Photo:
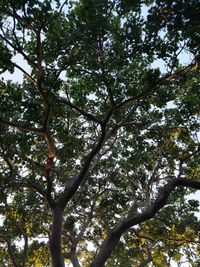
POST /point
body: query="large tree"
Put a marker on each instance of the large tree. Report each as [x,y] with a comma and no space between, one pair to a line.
[99,145]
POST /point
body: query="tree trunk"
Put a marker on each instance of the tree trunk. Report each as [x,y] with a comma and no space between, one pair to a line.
[56,238]
[74,258]
[107,247]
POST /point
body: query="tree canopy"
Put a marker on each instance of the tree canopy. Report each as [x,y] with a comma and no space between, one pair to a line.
[99,145]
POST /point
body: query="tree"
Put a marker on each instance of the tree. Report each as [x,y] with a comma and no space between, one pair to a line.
[99,145]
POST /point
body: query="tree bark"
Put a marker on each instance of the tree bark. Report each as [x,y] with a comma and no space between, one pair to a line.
[145,262]
[56,238]
[74,258]
[114,236]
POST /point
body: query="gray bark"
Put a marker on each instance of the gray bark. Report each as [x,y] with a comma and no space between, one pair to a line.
[56,238]
[112,239]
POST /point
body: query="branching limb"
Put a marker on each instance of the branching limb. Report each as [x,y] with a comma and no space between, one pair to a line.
[50,145]
[112,239]
[72,186]
[34,187]
[51,154]
[72,255]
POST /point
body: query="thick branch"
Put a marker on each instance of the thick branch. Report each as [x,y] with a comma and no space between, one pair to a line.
[50,145]
[49,181]
[73,258]
[72,186]
[112,239]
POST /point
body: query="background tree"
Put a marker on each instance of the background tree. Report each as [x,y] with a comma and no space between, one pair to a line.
[98,138]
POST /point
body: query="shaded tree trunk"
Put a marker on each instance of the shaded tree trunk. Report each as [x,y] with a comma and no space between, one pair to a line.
[74,258]
[56,238]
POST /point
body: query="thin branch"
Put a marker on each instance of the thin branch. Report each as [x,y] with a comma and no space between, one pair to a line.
[31,185]
[181,240]
[108,87]
[25,73]
[8,162]
[66,61]
[191,67]
[81,111]
[25,252]
[61,9]
[145,262]
[39,73]
[139,236]
[75,240]
[14,33]
[31,161]
[10,252]
[21,126]
[18,50]
[25,236]
[59,12]
[16,16]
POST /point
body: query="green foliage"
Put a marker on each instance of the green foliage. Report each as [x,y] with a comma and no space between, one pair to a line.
[5,61]
[98,117]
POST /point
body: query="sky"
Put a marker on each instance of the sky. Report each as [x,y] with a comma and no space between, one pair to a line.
[17,76]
